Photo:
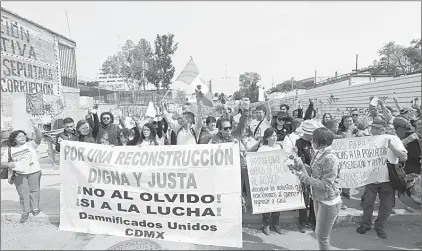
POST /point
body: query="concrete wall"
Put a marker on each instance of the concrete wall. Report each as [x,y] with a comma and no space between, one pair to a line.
[357,96]
[29,64]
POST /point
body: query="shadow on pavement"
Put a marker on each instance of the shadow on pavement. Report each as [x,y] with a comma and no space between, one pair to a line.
[252,242]
[49,204]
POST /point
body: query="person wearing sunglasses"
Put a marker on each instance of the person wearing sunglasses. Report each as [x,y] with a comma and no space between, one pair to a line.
[282,123]
[358,123]
[108,132]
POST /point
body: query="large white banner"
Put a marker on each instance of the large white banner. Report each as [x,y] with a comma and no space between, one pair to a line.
[173,193]
[362,160]
[273,186]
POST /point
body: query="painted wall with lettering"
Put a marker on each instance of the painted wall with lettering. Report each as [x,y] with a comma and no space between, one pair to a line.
[29,64]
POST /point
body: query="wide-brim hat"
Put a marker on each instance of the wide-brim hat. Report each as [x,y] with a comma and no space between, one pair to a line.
[308,127]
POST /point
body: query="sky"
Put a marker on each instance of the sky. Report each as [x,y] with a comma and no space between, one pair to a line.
[278,40]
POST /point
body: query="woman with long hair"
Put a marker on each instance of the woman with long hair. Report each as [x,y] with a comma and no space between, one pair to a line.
[323,176]
[269,143]
[325,118]
[347,129]
[23,162]
[148,135]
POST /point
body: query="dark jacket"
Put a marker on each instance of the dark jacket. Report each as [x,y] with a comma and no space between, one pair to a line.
[65,136]
[218,139]
[205,136]
[304,150]
[112,131]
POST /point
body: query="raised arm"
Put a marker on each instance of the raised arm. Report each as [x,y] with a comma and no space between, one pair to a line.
[38,134]
[174,125]
[160,127]
[267,104]
[237,132]
[396,102]
[96,126]
[198,122]
[308,113]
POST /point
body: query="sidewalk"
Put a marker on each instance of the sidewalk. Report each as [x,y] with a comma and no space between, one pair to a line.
[50,203]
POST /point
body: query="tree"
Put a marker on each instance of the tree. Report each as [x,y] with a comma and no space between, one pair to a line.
[130,63]
[165,47]
[153,74]
[249,85]
[180,97]
[413,53]
[399,60]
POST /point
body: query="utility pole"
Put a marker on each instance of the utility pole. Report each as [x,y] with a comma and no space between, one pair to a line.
[291,81]
[68,26]
[272,82]
[315,78]
[226,71]
[357,56]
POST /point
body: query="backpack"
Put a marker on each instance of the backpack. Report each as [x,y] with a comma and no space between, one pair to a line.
[397,176]
[5,171]
[191,130]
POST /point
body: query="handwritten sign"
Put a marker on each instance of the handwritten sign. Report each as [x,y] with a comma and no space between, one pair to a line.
[173,193]
[363,160]
[273,186]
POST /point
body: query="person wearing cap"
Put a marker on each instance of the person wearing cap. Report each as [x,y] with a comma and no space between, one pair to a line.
[395,152]
[402,123]
[262,119]
[305,152]
[282,124]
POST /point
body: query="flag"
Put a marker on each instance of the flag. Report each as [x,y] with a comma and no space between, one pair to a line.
[190,81]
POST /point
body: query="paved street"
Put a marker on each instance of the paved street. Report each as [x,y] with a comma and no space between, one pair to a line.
[41,232]
[36,235]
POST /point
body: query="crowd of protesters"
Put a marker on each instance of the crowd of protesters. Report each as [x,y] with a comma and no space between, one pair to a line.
[306,133]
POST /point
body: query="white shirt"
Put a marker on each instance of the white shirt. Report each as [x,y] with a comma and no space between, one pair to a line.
[290,141]
[267,148]
[186,137]
[391,157]
[25,158]
[262,127]
[395,141]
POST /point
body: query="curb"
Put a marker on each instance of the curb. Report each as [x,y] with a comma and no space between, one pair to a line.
[354,216]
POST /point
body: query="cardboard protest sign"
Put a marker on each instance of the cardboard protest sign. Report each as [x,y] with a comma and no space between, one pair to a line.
[363,160]
[151,112]
[173,193]
[261,96]
[273,186]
